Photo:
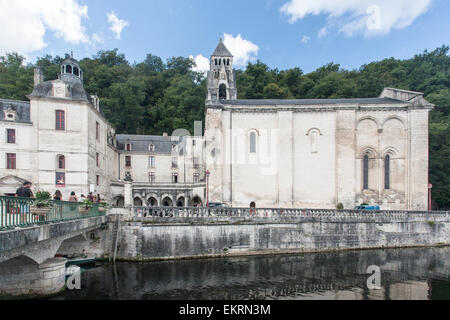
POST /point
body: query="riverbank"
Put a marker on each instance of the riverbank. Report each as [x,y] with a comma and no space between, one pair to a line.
[194,238]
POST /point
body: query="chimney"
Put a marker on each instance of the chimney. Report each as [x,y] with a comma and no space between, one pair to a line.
[38,75]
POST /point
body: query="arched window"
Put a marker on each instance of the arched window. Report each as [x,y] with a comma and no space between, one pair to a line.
[387,172]
[252,138]
[219,62]
[61,162]
[75,71]
[68,69]
[223,92]
[228,62]
[366,172]
[215,60]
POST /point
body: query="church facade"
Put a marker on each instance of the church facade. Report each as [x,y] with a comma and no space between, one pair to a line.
[315,153]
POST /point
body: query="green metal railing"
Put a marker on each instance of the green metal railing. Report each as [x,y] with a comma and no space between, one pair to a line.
[22,212]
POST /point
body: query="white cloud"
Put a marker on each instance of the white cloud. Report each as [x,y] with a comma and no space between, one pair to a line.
[116,24]
[25,23]
[305,39]
[370,17]
[202,63]
[97,38]
[322,32]
[242,50]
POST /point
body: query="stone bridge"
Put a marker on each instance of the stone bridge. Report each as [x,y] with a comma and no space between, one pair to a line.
[32,245]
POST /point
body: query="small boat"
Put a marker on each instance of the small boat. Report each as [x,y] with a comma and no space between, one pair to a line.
[80,261]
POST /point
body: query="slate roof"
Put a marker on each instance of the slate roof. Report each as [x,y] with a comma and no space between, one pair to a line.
[221,50]
[22,109]
[142,143]
[76,91]
[273,102]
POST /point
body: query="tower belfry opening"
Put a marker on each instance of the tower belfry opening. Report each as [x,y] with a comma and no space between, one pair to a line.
[221,79]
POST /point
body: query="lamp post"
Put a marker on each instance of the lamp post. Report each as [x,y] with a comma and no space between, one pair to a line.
[207,173]
[430,186]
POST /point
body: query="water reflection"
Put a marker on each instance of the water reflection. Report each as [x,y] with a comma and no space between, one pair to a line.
[419,273]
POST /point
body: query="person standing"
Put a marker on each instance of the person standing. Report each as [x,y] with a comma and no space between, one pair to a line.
[91,197]
[25,191]
[57,196]
[24,207]
[73,197]
[58,209]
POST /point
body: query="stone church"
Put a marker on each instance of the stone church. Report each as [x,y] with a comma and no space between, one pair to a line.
[311,153]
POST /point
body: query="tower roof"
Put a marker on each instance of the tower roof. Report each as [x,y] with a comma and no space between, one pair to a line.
[221,50]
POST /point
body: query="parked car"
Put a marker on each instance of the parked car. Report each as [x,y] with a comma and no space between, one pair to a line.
[367,207]
[217,204]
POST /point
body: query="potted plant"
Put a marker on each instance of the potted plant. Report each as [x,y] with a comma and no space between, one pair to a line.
[85,206]
[102,206]
[41,204]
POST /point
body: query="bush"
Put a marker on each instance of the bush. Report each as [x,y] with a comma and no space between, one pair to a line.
[42,199]
[86,203]
[340,206]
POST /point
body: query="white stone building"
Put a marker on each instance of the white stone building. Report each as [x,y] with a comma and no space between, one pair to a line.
[315,153]
[60,140]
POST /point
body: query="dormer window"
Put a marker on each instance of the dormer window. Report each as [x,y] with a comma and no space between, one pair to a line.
[151,147]
[128,147]
[10,115]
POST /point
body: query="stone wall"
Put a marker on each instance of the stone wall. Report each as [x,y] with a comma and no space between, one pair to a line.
[21,276]
[193,238]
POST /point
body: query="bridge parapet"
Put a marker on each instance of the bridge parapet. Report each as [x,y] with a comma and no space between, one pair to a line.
[26,212]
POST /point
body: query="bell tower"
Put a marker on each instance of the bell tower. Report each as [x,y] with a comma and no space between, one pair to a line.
[221,79]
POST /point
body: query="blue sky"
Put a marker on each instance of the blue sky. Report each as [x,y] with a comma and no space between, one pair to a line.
[281,33]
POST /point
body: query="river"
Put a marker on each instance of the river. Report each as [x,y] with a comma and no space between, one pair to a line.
[413,273]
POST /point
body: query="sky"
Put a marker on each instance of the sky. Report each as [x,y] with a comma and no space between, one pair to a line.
[281,33]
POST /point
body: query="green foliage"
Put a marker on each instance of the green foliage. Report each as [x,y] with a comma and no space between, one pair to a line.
[86,203]
[340,206]
[42,199]
[152,97]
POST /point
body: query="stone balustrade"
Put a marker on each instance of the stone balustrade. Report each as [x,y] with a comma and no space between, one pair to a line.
[178,214]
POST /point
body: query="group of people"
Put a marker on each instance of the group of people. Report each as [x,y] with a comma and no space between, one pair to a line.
[25,192]
[74,198]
